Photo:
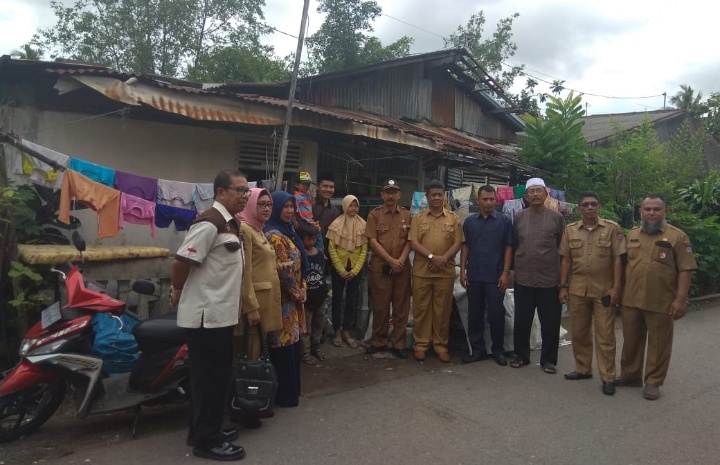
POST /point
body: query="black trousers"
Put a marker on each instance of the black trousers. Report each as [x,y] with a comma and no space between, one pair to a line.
[287,366]
[481,297]
[210,351]
[545,299]
[344,320]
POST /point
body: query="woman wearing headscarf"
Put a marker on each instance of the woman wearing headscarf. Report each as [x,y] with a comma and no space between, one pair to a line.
[347,246]
[260,286]
[292,267]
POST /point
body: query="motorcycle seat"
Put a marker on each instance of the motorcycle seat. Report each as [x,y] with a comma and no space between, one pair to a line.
[161,333]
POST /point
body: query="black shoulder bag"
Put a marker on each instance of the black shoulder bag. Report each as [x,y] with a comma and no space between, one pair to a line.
[254,381]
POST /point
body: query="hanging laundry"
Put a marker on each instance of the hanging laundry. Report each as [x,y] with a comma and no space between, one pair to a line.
[552,204]
[102,199]
[511,207]
[166,214]
[419,203]
[567,209]
[36,171]
[98,173]
[202,198]
[519,191]
[136,211]
[558,194]
[138,186]
[504,194]
[175,193]
[461,201]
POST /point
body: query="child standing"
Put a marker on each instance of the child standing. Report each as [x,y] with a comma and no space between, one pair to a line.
[317,290]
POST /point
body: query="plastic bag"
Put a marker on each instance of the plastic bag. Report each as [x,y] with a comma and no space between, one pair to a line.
[115,343]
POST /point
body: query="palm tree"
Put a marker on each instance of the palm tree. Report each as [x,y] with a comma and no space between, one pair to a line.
[687,100]
[26,52]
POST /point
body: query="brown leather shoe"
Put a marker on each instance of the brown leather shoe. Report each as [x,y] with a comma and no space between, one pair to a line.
[651,392]
[444,357]
[419,355]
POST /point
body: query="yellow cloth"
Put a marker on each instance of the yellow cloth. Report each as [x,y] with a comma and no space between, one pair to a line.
[340,256]
[33,254]
[348,232]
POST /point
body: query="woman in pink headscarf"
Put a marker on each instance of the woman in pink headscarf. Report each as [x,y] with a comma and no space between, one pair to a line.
[260,286]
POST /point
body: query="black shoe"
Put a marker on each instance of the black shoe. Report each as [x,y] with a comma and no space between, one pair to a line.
[470,358]
[229,435]
[500,359]
[575,376]
[371,349]
[608,388]
[400,353]
[622,382]
[225,452]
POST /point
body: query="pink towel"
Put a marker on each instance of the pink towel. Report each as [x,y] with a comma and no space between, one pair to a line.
[505,193]
[136,211]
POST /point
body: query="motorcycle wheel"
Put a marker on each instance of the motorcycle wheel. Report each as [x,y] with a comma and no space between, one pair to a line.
[25,411]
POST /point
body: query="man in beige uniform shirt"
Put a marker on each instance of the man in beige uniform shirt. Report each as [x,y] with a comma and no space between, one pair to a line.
[657,282]
[592,250]
[436,237]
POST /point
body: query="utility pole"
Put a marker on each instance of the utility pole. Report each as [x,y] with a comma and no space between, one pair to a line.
[586,105]
[664,97]
[293,83]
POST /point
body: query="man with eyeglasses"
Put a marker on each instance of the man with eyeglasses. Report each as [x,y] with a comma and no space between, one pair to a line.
[590,281]
[660,261]
[206,278]
[538,231]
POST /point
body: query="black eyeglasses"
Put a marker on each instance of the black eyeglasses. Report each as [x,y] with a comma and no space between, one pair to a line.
[589,204]
[264,205]
[239,190]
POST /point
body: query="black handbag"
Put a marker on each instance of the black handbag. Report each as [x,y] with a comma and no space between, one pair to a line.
[254,382]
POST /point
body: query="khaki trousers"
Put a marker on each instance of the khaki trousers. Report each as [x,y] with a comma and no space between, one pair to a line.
[641,327]
[432,305]
[384,291]
[586,314]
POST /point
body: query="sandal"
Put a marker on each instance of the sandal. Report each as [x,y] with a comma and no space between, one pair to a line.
[337,341]
[549,369]
[308,359]
[519,363]
[350,341]
[319,354]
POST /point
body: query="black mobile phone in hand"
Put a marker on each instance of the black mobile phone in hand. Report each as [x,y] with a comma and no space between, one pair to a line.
[386,269]
[605,300]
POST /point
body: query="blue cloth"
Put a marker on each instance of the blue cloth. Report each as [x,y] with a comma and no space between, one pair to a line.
[166,214]
[558,194]
[95,172]
[279,199]
[487,238]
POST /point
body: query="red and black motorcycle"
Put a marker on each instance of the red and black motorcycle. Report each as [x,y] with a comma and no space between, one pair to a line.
[58,350]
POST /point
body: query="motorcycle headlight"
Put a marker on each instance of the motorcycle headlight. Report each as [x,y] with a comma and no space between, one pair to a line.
[25,346]
[49,348]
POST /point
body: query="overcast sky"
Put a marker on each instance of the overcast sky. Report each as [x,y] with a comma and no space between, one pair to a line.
[613,48]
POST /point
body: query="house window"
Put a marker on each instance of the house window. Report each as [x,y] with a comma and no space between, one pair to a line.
[258,157]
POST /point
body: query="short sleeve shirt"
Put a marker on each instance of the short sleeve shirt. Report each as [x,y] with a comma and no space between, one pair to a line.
[211,294]
[486,239]
[593,252]
[654,261]
[437,234]
[538,234]
[391,229]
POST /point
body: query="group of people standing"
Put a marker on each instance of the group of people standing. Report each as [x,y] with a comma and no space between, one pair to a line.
[258,257]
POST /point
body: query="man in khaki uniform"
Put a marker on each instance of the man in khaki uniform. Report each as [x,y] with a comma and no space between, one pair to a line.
[436,237]
[387,230]
[592,250]
[657,282]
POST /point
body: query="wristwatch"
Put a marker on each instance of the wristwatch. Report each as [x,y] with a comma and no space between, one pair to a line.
[564,286]
[430,257]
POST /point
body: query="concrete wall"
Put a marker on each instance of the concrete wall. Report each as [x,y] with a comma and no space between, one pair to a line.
[161,150]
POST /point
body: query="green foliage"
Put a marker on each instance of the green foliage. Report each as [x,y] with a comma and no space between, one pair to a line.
[27,52]
[556,144]
[238,64]
[712,118]
[150,36]
[704,234]
[342,41]
[684,158]
[27,282]
[17,213]
[703,195]
[490,52]
[686,99]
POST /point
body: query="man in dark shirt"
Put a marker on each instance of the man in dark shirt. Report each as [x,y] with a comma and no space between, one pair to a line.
[323,211]
[485,260]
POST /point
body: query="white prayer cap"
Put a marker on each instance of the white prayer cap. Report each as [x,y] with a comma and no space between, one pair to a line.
[534,182]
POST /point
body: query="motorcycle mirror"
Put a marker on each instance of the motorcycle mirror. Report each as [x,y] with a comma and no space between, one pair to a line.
[78,241]
[144,287]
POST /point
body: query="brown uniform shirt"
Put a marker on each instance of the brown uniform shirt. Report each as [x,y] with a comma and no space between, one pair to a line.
[537,262]
[593,254]
[437,234]
[654,261]
[390,228]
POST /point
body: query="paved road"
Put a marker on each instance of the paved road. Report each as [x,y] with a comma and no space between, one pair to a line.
[366,411]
